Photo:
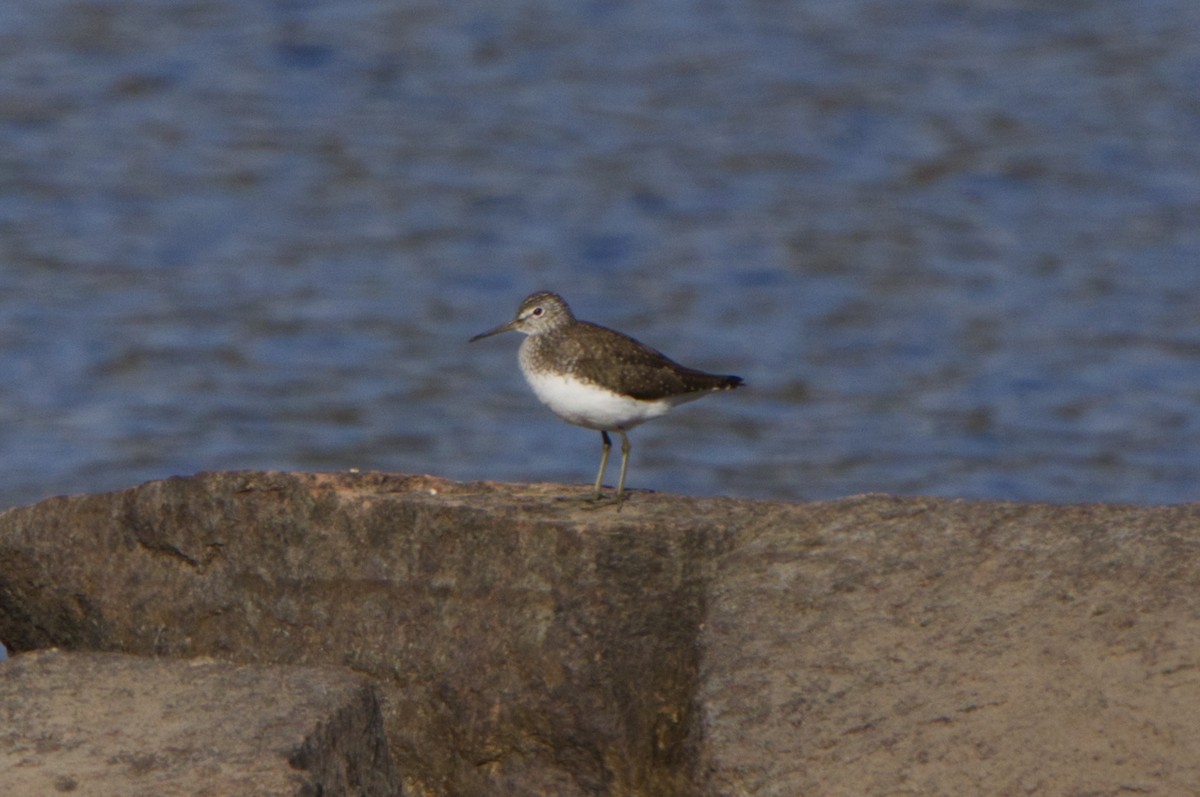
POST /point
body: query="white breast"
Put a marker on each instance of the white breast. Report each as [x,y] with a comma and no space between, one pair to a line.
[585,404]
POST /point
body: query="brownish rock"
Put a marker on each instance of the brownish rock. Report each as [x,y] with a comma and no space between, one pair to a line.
[523,644]
[527,645]
[102,724]
[878,646]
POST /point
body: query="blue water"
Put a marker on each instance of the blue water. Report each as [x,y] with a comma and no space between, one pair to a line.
[952,247]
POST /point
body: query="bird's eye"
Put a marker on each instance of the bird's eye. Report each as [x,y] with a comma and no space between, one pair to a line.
[538,311]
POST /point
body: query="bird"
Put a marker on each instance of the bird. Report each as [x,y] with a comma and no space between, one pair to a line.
[598,378]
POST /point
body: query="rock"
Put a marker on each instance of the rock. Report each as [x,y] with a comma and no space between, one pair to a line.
[881,646]
[525,644]
[108,724]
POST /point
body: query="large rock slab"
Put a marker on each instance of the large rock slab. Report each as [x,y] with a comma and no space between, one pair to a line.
[525,644]
[878,646]
[101,724]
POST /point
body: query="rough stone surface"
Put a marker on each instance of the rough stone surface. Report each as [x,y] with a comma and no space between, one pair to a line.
[883,647]
[101,724]
[524,644]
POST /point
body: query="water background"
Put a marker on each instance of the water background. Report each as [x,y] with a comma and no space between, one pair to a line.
[953,247]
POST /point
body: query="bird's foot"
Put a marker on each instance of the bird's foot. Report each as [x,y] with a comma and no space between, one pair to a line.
[596,501]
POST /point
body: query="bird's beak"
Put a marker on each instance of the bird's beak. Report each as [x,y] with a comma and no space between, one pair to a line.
[502,328]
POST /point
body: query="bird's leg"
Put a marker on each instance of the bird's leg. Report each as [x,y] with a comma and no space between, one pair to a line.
[624,464]
[603,463]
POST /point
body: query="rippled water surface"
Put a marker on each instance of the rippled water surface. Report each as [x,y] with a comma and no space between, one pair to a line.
[953,247]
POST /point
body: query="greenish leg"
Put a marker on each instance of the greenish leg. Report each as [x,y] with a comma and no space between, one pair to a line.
[604,463]
[624,464]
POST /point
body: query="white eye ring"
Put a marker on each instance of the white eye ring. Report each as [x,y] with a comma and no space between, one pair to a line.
[538,311]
